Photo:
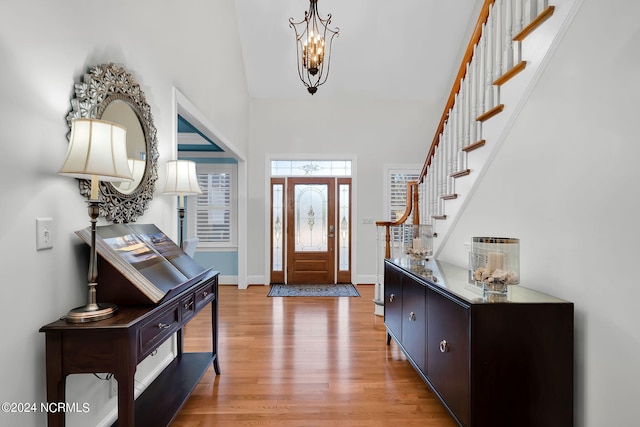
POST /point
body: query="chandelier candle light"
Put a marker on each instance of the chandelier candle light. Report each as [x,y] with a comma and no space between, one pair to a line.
[97,151]
[313,35]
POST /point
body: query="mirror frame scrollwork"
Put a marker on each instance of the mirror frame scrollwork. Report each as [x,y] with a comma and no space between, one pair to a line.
[100,86]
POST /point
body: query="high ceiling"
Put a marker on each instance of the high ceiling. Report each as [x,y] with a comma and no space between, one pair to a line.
[386,49]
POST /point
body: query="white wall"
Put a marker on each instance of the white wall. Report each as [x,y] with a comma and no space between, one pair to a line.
[45,47]
[374,133]
[565,182]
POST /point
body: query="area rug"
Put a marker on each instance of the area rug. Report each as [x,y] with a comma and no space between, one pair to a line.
[339,290]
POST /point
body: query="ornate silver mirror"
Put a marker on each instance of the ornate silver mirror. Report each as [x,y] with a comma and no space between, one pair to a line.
[110,93]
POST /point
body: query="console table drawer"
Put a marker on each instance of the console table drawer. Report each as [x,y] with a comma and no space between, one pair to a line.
[187,307]
[153,333]
[204,294]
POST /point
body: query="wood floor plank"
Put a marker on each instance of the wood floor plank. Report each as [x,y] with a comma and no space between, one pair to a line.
[304,362]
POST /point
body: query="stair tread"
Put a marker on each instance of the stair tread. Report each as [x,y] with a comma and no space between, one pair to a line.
[474,146]
[461,173]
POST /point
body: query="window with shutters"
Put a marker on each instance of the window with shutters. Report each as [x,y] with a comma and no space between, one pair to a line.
[213,213]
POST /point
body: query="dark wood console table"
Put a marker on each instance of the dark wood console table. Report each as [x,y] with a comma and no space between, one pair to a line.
[118,344]
[492,361]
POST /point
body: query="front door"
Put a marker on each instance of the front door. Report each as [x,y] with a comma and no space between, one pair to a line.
[311,230]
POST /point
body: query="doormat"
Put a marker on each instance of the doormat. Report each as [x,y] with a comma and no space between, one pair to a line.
[339,290]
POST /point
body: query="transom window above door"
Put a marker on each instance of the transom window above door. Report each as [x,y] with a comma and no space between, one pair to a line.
[310,167]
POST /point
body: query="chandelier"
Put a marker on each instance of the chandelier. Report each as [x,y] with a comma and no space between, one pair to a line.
[313,35]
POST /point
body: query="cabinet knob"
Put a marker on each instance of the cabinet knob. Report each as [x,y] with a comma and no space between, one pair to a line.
[204,294]
[412,316]
[444,346]
[392,297]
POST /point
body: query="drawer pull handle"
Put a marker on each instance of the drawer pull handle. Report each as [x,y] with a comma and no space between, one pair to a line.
[444,346]
[204,294]
[188,306]
[412,316]
[163,326]
[392,297]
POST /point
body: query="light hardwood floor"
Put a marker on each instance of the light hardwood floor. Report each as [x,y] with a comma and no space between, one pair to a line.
[304,362]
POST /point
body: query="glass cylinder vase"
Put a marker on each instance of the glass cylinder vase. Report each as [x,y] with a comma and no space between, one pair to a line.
[418,241]
[495,263]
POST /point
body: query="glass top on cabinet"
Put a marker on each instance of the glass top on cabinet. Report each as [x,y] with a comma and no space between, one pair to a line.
[455,280]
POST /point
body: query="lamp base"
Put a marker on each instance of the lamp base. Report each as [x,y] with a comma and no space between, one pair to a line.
[90,313]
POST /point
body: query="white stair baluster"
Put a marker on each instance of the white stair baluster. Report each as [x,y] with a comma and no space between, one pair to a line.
[462,119]
[424,218]
[442,182]
[489,101]
[542,5]
[482,70]
[530,11]
[430,211]
[475,130]
[445,159]
[434,179]
[498,11]
[517,16]
[461,130]
[467,107]
[458,130]
[438,162]
[507,57]
[444,141]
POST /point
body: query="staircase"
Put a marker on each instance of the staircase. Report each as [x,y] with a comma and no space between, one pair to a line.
[507,53]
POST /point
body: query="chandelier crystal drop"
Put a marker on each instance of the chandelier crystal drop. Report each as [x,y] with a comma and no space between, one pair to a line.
[313,35]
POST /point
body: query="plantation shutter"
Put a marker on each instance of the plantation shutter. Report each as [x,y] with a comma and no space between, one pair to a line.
[214,208]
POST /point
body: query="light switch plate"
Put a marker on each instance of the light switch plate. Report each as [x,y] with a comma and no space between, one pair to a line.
[44,233]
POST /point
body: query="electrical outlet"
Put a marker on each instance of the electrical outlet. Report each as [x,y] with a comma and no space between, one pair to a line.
[44,233]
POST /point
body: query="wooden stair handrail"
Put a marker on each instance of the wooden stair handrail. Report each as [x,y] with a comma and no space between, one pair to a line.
[466,59]
[412,195]
[412,187]
[468,56]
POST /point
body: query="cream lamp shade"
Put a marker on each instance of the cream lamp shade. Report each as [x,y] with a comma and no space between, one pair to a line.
[97,151]
[182,179]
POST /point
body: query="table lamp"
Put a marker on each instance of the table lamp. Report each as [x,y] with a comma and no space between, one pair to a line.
[182,180]
[97,151]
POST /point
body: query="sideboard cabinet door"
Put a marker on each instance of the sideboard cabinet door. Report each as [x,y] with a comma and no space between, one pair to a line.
[393,300]
[448,352]
[414,320]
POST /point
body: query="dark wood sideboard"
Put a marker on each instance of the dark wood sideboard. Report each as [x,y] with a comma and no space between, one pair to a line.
[498,361]
[118,344]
